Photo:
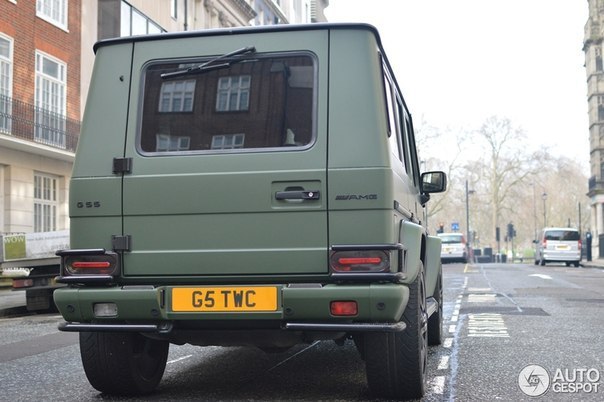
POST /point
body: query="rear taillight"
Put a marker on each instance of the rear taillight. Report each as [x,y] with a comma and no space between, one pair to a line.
[580,244]
[343,308]
[360,261]
[91,264]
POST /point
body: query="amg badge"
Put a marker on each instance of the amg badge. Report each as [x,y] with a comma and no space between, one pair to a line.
[350,197]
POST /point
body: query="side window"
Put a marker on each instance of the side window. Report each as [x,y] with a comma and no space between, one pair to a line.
[412,150]
[404,136]
[266,102]
[394,128]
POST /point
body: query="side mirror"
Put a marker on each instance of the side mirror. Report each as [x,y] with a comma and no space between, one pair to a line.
[433,182]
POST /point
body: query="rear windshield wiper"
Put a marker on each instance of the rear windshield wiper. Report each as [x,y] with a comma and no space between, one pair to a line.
[210,65]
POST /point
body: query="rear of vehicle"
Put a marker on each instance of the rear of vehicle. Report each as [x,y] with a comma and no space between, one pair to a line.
[219,198]
[559,245]
[454,247]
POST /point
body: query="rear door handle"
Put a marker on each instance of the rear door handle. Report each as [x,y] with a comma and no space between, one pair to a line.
[297,195]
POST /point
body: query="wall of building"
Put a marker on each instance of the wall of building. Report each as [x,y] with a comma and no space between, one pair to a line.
[22,156]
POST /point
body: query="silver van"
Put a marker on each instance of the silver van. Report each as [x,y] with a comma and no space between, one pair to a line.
[558,245]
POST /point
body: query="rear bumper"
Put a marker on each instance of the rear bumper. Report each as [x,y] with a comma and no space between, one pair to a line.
[453,256]
[299,307]
[561,256]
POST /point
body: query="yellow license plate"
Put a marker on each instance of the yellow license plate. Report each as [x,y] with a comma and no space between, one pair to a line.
[562,247]
[225,299]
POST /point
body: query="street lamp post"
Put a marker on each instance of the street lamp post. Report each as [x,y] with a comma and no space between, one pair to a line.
[544,196]
[468,192]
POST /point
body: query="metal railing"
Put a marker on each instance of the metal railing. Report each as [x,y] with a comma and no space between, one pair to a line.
[28,122]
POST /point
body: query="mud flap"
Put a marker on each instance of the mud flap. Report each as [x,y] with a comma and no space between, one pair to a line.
[432,263]
[411,238]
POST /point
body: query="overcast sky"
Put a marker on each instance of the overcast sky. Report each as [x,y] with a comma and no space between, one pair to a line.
[459,62]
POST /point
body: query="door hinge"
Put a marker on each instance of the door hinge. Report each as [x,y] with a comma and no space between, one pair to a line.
[120,242]
[122,165]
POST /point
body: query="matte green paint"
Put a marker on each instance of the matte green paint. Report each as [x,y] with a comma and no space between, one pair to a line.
[214,218]
[376,302]
[432,263]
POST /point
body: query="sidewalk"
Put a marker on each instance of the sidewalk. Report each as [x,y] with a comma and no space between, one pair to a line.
[597,263]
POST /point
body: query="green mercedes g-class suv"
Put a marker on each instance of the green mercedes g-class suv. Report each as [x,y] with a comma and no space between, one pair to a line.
[250,186]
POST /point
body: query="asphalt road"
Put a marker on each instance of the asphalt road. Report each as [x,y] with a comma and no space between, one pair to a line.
[510,331]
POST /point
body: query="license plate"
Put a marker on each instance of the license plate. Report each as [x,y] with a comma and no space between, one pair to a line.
[562,247]
[225,299]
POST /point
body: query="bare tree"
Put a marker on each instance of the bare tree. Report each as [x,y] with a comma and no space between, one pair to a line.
[509,164]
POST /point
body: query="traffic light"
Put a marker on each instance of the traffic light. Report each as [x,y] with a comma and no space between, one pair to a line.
[497,235]
[511,231]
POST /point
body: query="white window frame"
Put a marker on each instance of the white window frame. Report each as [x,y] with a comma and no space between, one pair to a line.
[50,102]
[232,95]
[127,15]
[228,141]
[170,143]
[175,95]
[6,86]
[174,9]
[53,11]
[46,202]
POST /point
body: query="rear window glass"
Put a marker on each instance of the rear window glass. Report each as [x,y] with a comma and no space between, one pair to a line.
[266,101]
[447,239]
[562,235]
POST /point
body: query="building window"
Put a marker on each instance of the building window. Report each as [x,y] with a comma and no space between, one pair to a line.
[6,71]
[53,11]
[168,143]
[50,100]
[133,22]
[233,93]
[230,141]
[177,96]
[45,203]
[174,8]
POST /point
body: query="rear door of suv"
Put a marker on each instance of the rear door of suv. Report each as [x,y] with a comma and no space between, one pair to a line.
[226,147]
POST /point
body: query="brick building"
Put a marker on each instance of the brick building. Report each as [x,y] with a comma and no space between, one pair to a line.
[39,111]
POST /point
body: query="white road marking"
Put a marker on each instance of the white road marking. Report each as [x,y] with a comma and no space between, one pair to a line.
[438,385]
[179,359]
[443,364]
[542,276]
[487,326]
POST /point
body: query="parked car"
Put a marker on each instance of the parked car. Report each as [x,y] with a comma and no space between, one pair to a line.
[454,247]
[251,186]
[558,245]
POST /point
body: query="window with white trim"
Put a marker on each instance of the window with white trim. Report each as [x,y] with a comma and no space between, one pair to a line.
[50,100]
[53,11]
[177,96]
[233,93]
[174,9]
[229,141]
[45,203]
[134,22]
[6,80]
[170,143]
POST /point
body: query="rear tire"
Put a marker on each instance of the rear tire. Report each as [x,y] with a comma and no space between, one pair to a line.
[396,361]
[123,363]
